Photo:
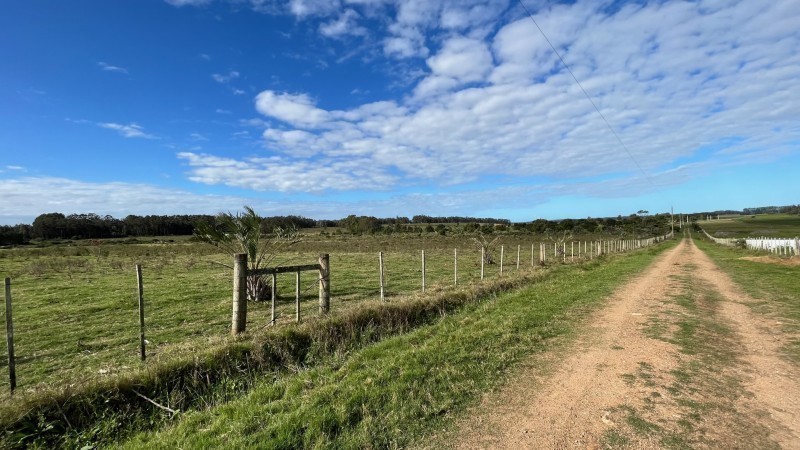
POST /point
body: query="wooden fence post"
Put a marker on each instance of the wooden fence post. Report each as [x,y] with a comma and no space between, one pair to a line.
[140,290]
[502,248]
[483,257]
[274,294]
[297,296]
[455,267]
[12,368]
[518,250]
[324,283]
[423,271]
[533,263]
[380,268]
[239,293]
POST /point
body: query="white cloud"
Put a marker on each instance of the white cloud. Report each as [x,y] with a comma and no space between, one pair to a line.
[223,111]
[27,197]
[296,109]
[681,80]
[180,3]
[405,42]
[225,78]
[284,174]
[465,60]
[675,79]
[16,168]
[131,130]
[109,68]
[304,8]
[345,25]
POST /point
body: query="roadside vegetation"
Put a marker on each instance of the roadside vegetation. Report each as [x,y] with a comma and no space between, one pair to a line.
[76,307]
[772,280]
[211,374]
[764,225]
[403,388]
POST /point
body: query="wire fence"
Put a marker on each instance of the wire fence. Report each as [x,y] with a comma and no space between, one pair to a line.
[77,314]
[777,246]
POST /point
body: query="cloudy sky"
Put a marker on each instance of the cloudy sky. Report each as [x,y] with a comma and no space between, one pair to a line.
[326,108]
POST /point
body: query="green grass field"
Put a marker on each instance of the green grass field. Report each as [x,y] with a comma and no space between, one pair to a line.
[399,390]
[763,225]
[76,310]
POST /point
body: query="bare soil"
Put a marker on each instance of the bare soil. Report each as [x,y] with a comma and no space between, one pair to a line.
[593,393]
[793,261]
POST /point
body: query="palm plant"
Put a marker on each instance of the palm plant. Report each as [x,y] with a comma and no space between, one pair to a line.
[242,233]
[487,246]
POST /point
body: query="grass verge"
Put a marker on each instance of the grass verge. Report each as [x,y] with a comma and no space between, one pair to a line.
[775,285]
[72,416]
[403,388]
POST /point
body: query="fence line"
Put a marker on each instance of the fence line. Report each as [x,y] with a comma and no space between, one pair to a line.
[591,249]
[12,368]
[778,246]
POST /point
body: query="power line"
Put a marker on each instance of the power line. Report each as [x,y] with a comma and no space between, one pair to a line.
[647,177]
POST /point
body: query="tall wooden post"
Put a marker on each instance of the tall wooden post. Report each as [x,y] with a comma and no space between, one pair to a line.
[12,368]
[483,258]
[239,293]
[501,259]
[533,263]
[297,296]
[324,283]
[518,250]
[140,290]
[423,271]
[380,274]
[274,295]
[455,267]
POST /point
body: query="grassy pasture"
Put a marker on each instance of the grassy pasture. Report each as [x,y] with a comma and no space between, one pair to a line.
[762,225]
[406,388]
[75,307]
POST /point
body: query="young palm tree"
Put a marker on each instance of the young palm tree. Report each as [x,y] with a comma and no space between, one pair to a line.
[241,233]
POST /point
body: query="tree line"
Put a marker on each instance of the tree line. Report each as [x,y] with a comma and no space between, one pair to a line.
[51,226]
[93,226]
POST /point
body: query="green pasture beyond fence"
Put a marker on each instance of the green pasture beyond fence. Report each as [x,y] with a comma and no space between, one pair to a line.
[78,315]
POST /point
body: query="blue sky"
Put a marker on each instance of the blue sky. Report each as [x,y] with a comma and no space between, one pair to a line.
[325,108]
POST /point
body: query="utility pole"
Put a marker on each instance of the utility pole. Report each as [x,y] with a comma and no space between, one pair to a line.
[671,220]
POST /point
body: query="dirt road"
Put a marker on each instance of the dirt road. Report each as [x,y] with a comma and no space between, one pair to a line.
[676,359]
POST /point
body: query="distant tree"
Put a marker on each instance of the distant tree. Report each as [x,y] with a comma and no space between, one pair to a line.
[49,226]
[360,224]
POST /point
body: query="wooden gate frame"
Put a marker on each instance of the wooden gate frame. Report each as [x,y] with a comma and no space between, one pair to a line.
[240,274]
